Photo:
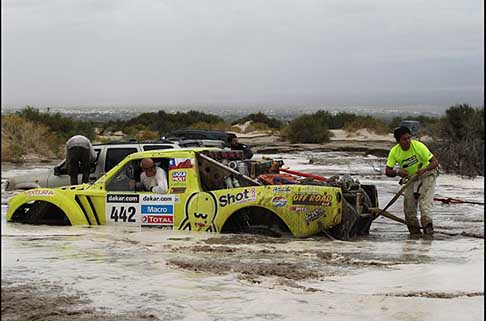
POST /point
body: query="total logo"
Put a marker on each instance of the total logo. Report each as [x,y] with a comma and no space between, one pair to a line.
[244,196]
[158,219]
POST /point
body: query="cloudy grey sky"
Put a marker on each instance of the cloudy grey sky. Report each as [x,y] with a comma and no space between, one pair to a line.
[224,52]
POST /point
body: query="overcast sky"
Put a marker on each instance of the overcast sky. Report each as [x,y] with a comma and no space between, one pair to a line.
[223,52]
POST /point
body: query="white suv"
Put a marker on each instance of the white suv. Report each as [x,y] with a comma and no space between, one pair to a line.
[107,156]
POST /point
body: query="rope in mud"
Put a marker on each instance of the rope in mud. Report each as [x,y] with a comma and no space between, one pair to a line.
[397,195]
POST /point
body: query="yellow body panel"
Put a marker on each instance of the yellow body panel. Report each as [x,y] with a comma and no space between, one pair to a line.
[303,208]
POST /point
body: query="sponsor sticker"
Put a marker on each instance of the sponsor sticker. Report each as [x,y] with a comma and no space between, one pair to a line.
[123,209]
[157,198]
[314,214]
[122,198]
[298,209]
[175,163]
[247,195]
[312,199]
[158,219]
[179,176]
[285,189]
[39,192]
[177,190]
[157,210]
[279,201]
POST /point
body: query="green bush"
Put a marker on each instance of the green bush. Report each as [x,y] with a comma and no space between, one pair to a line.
[64,127]
[166,122]
[459,141]
[260,118]
[376,126]
[307,129]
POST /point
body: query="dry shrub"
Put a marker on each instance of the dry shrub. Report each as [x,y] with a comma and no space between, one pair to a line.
[258,127]
[375,126]
[212,126]
[147,135]
[21,137]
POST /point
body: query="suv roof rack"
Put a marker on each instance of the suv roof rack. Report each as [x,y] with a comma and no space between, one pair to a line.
[134,141]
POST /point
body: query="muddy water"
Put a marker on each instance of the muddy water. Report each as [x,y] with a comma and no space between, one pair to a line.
[111,273]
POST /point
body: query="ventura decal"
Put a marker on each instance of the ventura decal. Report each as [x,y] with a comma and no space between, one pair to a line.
[39,192]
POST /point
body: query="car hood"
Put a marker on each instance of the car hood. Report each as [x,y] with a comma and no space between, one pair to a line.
[35,178]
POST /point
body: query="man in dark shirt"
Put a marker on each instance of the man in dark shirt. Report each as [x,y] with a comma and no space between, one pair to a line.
[236,145]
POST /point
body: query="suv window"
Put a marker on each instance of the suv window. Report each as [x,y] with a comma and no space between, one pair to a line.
[152,147]
[115,155]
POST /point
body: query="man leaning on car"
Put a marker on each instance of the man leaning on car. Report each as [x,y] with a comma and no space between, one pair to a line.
[80,154]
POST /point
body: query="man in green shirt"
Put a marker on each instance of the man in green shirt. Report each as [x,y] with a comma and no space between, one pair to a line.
[413,157]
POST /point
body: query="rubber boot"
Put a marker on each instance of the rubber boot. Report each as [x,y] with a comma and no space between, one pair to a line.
[429,229]
[414,230]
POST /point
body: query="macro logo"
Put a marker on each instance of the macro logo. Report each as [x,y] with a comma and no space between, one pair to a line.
[157,209]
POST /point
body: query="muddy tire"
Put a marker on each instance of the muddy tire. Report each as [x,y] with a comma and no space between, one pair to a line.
[347,228]
[371,200]
[261,230]
[372,193]
[38,212]
[46,213]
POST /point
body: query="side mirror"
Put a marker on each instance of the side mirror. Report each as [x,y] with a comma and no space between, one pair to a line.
[57,171]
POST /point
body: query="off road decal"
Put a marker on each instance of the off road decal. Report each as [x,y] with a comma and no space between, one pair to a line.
[312,199]
[123,209]
[199,213]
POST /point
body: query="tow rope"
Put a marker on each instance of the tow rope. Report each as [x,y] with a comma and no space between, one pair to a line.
[450,200]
